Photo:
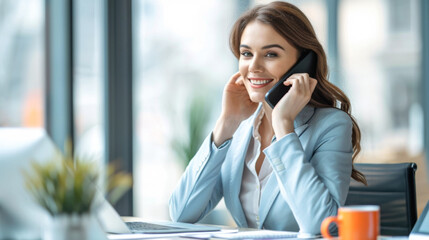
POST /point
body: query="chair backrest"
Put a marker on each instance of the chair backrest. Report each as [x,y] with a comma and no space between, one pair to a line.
[393,188]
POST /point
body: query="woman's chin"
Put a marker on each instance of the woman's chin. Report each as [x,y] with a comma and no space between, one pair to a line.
[257,98]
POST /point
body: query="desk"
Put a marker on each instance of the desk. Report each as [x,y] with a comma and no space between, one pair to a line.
[196,236]
[225,233]
[210,237]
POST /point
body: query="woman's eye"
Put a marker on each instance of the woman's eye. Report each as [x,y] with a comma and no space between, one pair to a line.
[271,54]
[246,54]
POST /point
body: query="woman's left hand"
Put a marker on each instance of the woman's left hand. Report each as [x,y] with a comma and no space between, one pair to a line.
[286,110]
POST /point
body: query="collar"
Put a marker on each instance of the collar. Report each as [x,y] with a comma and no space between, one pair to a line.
[257,122]
[304,116]
[301,119]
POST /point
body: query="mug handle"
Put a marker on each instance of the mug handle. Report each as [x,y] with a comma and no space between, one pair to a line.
[324,228]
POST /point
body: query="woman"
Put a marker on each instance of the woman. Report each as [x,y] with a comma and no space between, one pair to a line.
[286,168]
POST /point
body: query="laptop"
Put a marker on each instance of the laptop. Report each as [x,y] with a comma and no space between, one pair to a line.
[111,222]
[22,218]
[421,228]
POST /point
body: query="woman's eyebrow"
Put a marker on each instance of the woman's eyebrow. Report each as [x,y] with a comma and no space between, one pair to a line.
[264,47]
[273,46]
[245,46]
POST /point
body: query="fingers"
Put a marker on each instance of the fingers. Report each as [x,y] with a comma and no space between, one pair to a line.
[313,84]
[240,80]
[302,83]
[236,78]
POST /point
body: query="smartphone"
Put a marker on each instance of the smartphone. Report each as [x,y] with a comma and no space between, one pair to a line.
[305,64]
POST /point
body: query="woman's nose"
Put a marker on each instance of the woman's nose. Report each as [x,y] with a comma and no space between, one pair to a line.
[255,65]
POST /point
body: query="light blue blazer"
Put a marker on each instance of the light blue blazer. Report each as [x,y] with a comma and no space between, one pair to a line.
[310,178]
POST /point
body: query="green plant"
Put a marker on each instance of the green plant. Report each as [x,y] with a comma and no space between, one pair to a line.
[64,185]
[196,119]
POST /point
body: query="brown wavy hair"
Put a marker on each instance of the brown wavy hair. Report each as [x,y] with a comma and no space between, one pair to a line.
[294,26]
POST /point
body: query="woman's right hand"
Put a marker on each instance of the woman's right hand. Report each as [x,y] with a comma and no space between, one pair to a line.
[236,107]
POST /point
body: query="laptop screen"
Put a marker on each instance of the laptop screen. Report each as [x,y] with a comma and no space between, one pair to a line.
[20,216]
[421,228]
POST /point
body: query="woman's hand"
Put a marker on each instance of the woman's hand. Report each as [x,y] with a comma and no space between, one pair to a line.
[236,107]
[236,103]
[286,110]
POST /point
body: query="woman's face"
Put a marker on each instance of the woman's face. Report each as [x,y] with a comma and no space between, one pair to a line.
[264,57]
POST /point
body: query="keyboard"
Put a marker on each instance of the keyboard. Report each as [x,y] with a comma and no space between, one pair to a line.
[144,226]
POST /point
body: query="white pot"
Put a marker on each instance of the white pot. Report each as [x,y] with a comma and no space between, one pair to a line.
[73,227]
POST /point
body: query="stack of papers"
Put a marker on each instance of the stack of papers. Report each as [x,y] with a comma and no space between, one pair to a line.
[259,234]
[200,235]
[223,234]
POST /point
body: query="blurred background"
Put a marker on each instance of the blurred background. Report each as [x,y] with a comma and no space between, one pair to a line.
[164,63]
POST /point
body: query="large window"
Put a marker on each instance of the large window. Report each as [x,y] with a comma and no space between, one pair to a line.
[22,63]
[380,52]
[380,60]
[88,76]
[182,57]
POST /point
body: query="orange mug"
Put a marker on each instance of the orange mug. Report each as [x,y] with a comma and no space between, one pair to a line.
[354,223]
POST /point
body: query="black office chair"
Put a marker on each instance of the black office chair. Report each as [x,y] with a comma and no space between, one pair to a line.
[393,188]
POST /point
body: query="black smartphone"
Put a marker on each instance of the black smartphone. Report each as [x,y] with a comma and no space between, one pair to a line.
[305,64]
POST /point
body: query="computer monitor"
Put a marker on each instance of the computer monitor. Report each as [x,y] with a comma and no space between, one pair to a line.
[20,216]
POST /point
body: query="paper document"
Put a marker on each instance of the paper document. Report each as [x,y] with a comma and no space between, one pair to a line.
[199,235]
[223,234]
[129,236]
[394,238]
[258,234]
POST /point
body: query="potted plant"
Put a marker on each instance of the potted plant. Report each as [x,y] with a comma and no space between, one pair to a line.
[197,116]
[66,188]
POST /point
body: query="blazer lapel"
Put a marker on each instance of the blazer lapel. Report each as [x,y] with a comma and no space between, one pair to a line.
[235,186]
[232,194]
[299,130]
[302,119]
[269,194]
[271,189]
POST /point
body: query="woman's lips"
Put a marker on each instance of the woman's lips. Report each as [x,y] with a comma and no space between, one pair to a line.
[259,82]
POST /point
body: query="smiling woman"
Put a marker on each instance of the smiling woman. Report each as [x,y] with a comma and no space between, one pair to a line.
[264,57]
[282,168]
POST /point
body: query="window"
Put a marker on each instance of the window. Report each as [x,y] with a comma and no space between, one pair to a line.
[22,63]
[88,77]
[380,57]
[181,54]
[382,72]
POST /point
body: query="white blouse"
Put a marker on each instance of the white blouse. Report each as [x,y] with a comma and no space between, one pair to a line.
[253,184]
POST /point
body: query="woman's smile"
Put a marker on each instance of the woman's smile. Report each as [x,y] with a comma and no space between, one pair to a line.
[259,82]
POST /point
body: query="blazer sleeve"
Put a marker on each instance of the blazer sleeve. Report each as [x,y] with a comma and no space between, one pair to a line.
[315,183]
[200,187]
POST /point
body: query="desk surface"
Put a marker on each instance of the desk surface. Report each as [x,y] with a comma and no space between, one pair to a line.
[231,229]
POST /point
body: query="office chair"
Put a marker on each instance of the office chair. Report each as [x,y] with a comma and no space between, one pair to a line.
[393,188]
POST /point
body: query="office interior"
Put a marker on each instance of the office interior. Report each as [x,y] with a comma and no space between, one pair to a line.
[130,80]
